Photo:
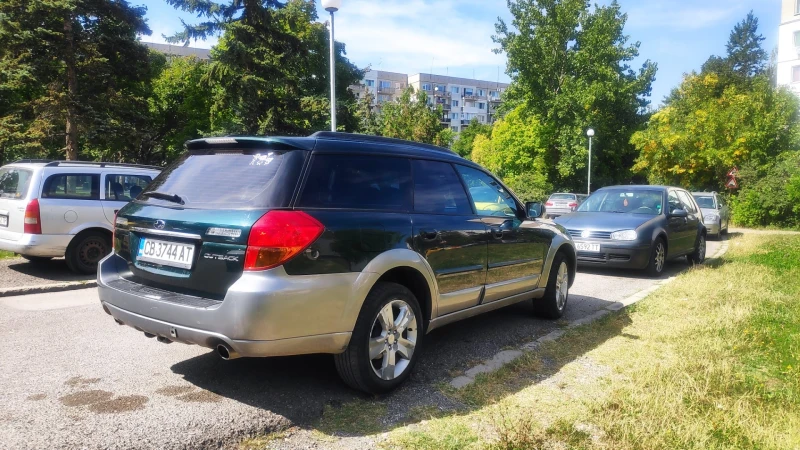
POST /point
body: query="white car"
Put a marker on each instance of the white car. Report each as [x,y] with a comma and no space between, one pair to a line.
[51,209]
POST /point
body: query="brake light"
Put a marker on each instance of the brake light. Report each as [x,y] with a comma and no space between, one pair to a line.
[548,204]
[33,220]
[573,205]
[278,236]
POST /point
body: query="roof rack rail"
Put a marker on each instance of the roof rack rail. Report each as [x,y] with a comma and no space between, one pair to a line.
[32,161]
[100,164]
[378,139]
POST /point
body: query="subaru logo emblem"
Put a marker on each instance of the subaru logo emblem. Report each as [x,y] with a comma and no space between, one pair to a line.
[159,224]
[586,234]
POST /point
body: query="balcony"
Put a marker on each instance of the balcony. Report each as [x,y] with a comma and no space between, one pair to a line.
[386,89]
[441,94]
[446,120]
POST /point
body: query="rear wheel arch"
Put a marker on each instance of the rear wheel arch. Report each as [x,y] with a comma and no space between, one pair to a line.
[414,281]
[72,256]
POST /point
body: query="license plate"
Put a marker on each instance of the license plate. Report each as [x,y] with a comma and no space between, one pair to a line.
[172,254]
[3,221]
[587,247]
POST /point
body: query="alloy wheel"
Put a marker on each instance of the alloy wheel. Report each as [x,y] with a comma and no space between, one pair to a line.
[562,286]
[393,339]
[660,257]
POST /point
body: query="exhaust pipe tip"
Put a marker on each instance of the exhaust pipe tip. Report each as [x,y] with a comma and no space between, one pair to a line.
[163,340]
[149,335]
[226,353]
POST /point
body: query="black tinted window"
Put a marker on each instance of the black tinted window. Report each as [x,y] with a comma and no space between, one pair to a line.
[14,182]
[437,189]
[72,186]
[358,182]
[231,179]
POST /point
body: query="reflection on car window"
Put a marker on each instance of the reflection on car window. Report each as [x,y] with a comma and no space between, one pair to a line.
[488,196]
[687,202]
[674,203]
[705,201]
[124,188]
[632,201]
[14,182]
[562,197]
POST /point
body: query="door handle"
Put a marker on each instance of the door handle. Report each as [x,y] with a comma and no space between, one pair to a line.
[429,235]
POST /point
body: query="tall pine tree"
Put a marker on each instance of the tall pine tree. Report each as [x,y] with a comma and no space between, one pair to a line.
[71,72]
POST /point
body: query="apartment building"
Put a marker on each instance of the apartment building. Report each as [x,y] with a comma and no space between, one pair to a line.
[462,99]
[179,50]
[789,46]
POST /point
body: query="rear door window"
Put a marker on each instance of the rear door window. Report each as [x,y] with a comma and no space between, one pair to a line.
[72,186]
[230,179]
[437,189]
[358,182]
[14,182]
[125,187]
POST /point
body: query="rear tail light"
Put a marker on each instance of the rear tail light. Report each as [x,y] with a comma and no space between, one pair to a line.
[548,204]
[278,236]
[33,220]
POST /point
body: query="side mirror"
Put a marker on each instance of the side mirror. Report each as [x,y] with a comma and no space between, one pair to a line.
[534,209]
[679,213]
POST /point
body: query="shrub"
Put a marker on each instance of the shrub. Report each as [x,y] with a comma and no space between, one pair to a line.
[769,194]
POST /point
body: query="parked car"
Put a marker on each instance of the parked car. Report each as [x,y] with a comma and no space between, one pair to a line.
[334,243]
[51,209]
[638,227]
[716,214]
[562,203]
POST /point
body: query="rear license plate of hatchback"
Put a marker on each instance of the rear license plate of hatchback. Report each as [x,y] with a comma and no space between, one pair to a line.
[583,247]
[174,254]
[3,220]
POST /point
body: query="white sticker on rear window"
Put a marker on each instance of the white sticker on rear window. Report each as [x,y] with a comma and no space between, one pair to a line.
[261,160]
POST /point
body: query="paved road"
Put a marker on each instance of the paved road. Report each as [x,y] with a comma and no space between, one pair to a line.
[71,378]
[17,272]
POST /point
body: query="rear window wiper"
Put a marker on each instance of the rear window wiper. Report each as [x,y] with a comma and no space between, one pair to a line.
[174,198]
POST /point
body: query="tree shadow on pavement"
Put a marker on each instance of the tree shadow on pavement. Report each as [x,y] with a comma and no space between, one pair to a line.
[302,388]
[53,270]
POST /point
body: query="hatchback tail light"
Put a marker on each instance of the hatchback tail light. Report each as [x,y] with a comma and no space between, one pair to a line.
[548,204]
[33,220]
[573,205]
[278,236]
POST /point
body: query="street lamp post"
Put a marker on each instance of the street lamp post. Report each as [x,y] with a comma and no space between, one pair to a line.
[332,6]
[590,133]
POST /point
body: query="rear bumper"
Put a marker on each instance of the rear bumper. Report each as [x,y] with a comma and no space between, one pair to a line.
[555,212]
[47,245]
[632,255]
[265,313]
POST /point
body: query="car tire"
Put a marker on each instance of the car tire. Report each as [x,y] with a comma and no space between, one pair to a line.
[86,250]
[725,231]
[699,253]
[366,363]
[554,302]
[658,258]
[37,259]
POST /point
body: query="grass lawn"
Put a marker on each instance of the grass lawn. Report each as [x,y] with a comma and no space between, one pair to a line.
[710,361]
[5,255]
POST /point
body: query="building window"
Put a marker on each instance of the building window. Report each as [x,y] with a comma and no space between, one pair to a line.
[454,129]
[797,7]
[454,116]
[468,91]
[493,94]
[797,38]
[383,98]
[796,74]
[481,105]
[455,103]
[481,92]
[426,87]
[369,83]
[384,84]
[441,88]
[456,89]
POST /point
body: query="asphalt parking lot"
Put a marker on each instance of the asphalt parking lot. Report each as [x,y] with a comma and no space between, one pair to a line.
[71,378]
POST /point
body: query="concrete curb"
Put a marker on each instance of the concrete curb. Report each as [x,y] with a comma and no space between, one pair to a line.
[506,356]
[45,288]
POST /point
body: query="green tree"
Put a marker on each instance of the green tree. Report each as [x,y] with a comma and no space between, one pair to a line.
[463,144]
[745,54]
[71,74]
[570,68]
[269,72]
[412,119]
[698,136]
[366,114]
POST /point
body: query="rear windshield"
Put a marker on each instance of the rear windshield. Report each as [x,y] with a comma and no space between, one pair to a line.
[230,179]
[562,197]
[14,182]
[705,201]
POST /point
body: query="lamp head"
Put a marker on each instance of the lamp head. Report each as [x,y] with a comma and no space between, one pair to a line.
[590,132]
[331,5]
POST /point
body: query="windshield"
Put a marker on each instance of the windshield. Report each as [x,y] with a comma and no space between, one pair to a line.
[14,182]
[632,201]
[562,197]
[705,202]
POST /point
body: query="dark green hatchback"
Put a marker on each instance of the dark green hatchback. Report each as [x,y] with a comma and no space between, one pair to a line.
[336,243]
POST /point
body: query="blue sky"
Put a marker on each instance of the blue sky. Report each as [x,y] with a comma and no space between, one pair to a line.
[454,36]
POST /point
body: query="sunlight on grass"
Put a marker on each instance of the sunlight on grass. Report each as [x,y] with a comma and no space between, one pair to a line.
[6,255]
